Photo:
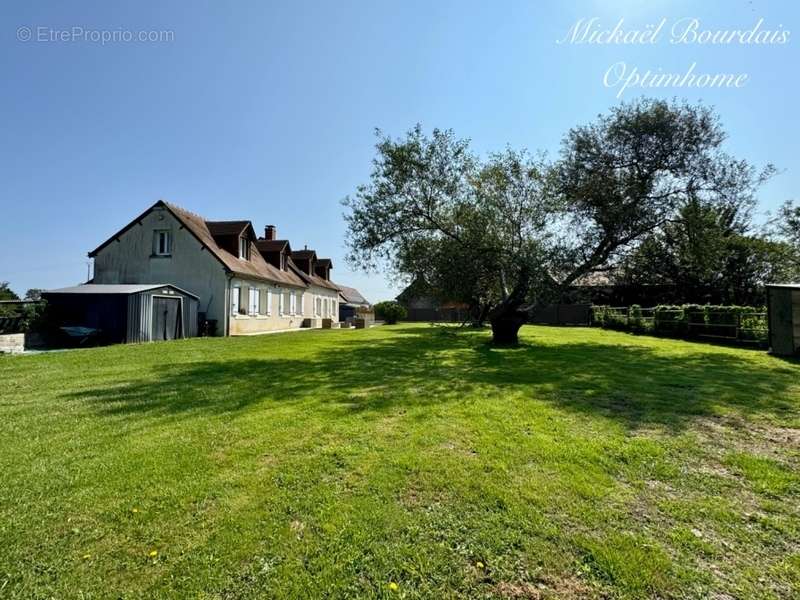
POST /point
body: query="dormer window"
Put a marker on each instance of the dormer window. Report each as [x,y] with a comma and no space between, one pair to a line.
[244,248]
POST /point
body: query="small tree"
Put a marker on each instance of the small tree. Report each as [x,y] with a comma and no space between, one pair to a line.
[390,311]
[34,294]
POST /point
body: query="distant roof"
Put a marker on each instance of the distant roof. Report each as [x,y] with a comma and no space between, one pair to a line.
[124,288]
[352,295]
[325,261]
[791,286]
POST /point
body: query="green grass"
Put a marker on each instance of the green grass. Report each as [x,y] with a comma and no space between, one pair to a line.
[585,463]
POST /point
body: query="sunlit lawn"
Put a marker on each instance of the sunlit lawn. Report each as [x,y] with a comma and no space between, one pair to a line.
[405,461]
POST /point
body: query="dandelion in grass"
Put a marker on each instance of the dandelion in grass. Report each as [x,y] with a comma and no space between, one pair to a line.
[479,565]
[87,556]
[393,586]
[153,553]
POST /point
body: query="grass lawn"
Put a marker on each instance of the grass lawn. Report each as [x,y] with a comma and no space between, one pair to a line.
[399,462]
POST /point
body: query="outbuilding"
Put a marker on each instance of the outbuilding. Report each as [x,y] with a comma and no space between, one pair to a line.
[124,313]
[783,304]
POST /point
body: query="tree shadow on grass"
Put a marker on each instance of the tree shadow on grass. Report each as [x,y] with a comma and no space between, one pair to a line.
[417,367]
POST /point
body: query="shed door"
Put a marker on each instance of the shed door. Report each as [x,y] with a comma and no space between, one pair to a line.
[166,318]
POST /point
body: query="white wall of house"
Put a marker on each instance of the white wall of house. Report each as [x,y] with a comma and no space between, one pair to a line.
[324,303]
[134,259]
[259,306]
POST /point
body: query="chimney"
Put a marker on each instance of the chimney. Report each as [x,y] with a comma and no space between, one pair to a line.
[270,233]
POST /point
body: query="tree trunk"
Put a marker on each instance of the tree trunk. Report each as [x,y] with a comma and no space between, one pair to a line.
[505,328]
[507,317]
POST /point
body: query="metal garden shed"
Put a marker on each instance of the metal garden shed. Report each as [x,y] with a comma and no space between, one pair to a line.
[783,302]
[125,313]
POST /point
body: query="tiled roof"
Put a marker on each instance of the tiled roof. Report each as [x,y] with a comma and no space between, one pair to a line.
[227,227]
[272,245]
[255,267]
[312,279]
[352,295]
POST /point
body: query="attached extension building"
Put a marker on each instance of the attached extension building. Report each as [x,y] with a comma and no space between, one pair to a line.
[244,283]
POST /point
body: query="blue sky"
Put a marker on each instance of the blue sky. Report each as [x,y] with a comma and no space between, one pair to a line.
[267,111]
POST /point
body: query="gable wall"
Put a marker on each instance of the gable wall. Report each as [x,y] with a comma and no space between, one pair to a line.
[131,260]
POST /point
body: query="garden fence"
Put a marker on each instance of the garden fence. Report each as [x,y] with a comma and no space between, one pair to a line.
[745,325]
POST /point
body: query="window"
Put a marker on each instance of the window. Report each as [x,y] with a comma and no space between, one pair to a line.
[162,242]
[280,303]
[244,248]
[317,306]
[300,311]
[255,297]
[269,301]
[287,302]
[236,296]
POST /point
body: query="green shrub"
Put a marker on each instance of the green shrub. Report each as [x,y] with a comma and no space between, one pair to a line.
[390,312]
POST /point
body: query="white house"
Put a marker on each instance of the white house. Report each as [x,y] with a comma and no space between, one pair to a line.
[244,283]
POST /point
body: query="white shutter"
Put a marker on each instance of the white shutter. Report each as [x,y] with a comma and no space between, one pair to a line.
[235,294]
[269,301]
[254,301]
[280,303]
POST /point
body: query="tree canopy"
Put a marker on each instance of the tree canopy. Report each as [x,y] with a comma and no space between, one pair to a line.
[513,230]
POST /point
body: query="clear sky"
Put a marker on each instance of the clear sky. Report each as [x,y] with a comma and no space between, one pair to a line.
[266,111]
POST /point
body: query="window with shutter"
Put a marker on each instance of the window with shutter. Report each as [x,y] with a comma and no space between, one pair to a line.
[254,301]
[235,298]
[269,301]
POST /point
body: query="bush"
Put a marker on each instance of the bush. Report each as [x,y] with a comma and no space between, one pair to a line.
[390,312]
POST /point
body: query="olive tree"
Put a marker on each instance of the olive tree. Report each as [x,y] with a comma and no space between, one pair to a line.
[523,229]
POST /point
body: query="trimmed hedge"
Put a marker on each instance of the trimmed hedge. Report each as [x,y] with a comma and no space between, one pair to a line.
[731,323]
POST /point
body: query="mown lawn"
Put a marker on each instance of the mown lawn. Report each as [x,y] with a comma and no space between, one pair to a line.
[405,461]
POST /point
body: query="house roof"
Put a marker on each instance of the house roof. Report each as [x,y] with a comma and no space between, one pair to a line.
[312,279]
[229,227]
[272,245]
[352,295]
[127,289]
[325,262]
[256,267]
[304,254]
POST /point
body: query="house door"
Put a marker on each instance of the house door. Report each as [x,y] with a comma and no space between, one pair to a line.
[166,318]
